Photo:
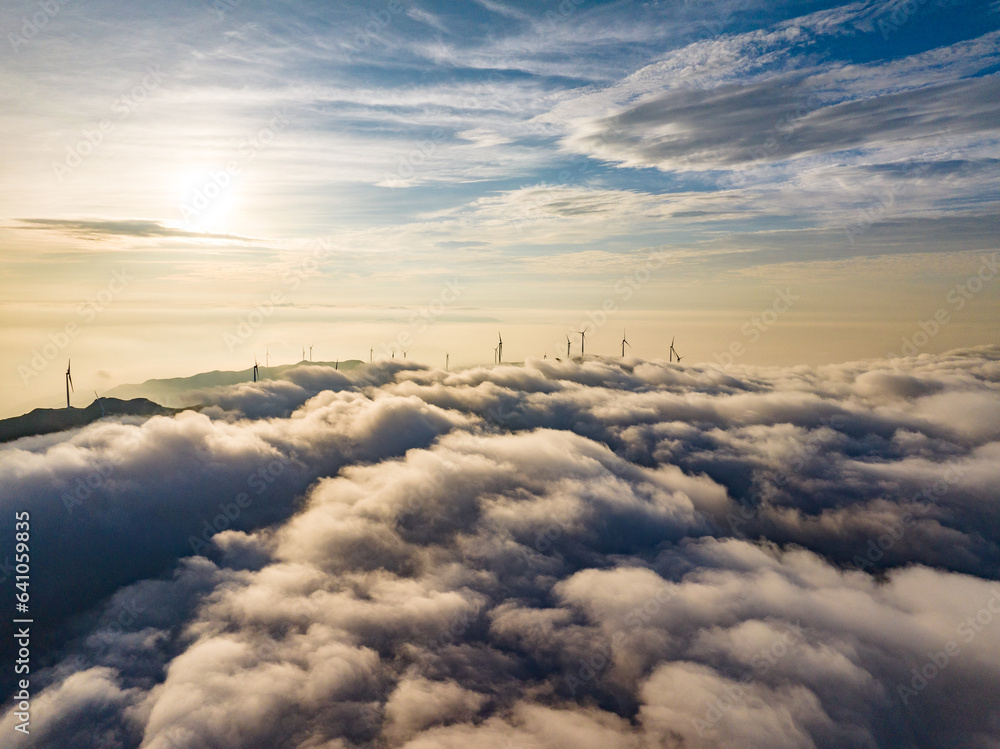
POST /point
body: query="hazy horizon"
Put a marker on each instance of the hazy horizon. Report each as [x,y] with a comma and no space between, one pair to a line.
[167,171]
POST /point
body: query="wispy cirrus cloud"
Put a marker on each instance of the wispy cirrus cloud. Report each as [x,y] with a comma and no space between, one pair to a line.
[98,229]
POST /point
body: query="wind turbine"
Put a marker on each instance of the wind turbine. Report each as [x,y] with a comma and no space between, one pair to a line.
[256,374]
[500,348]
[673,351]
[405,351]
[267,356]
[583,340]
[494,354]
[624,343]
[303,353]
[447,360]
[69,383]
[336,365]
[371,354]
[567,346]
[311,351]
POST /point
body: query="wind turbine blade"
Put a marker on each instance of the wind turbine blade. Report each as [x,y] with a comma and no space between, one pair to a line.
[71,383]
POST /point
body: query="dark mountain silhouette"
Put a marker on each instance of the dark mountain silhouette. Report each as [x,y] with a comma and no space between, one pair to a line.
[47,420]
[183,391]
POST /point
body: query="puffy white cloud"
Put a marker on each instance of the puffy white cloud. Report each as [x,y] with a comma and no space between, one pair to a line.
[613,553]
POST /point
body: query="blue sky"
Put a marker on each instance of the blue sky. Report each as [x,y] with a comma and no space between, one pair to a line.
[537,151]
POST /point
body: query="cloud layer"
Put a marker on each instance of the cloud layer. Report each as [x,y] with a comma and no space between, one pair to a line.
[615,553]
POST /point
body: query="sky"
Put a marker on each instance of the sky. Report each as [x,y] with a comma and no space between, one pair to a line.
[187,186]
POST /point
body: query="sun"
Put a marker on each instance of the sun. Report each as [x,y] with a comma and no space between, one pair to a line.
[206,199]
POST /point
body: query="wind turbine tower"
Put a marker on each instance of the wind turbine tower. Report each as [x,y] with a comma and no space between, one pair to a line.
[69,382]
[567,346]
[447,360]
[311,351]
[583,340]
[256,374]
[624,343]
[673,351]
[500,348]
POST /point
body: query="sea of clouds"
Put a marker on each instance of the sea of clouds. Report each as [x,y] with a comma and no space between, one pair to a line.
[619,553]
